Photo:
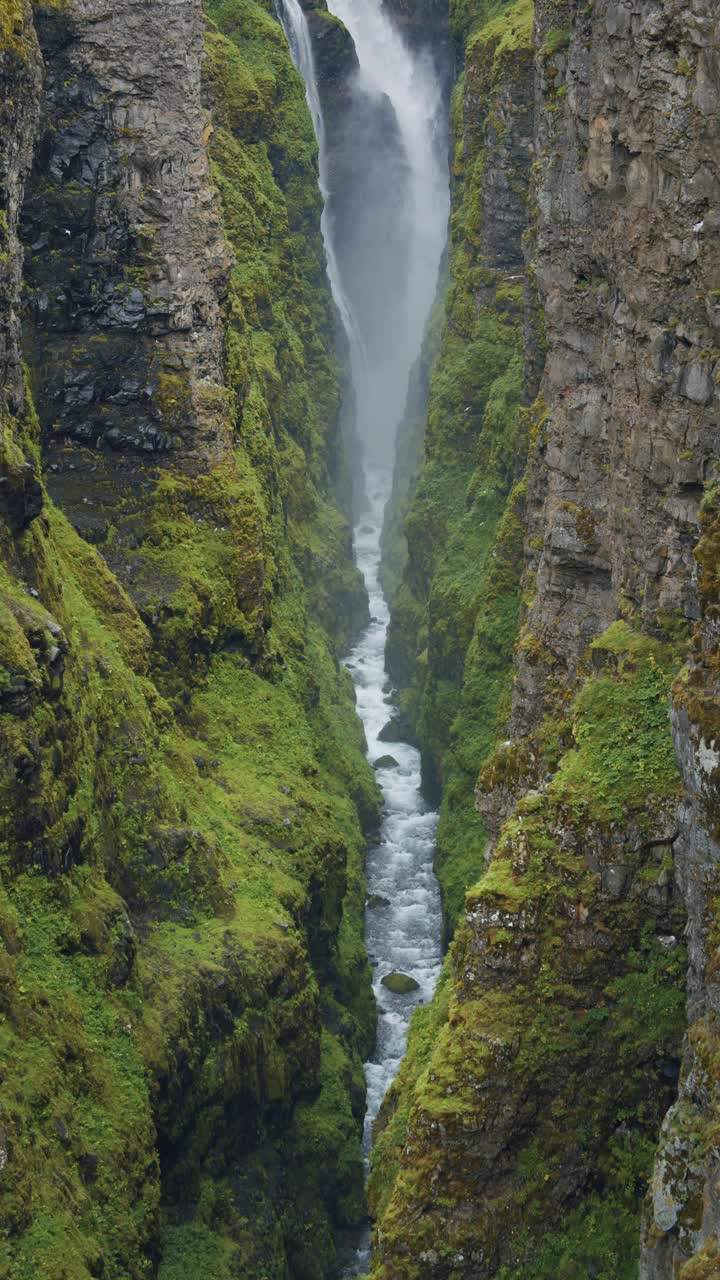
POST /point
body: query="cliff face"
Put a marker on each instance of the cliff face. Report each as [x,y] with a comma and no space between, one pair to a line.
[185,999]
[519,1137]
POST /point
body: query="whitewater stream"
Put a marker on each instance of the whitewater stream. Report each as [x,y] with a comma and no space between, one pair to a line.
[403,918]
[403,930]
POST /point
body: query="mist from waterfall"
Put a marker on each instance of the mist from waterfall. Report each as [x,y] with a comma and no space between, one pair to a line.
[390,243]
[385,183]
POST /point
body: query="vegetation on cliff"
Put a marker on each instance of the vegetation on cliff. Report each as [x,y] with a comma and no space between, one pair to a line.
[455,608]
[185,996]
[518,1137]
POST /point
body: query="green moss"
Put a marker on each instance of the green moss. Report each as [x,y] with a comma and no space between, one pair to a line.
[196,1250]
[390,1132]
[455,612]
[704,1266]
[623,745]
[503,35]
[12,33]
[183,788]
[556,39]
[537,1023]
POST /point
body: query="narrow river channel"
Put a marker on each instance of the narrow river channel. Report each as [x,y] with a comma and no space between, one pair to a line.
[403,921]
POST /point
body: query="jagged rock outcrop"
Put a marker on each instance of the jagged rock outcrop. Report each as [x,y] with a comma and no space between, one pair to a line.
[626,259]
[127,262]
[20,491]
[682,1219]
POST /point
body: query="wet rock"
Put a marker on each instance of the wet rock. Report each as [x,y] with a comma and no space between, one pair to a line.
[20,493]
[401,984]
[376,900]
[385,762]
[396,730]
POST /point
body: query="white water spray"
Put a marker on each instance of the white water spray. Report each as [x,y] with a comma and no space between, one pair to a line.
[298,35]
[391,72]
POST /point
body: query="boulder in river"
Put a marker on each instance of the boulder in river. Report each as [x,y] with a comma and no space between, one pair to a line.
[394,731]
[400,983]
[386,762]
[376,900]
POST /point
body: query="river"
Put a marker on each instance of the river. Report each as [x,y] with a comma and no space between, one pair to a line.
[403,921]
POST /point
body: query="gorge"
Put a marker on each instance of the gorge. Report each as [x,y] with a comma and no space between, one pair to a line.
[231,329]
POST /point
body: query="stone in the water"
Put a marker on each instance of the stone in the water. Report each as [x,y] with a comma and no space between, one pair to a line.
[400,983]
[386,762]
[367,528]
[393,731]
[376,900]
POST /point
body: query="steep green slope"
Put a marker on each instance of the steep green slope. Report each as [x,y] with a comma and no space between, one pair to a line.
[185,997]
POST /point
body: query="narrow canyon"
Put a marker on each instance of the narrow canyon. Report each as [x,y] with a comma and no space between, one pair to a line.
[359,639]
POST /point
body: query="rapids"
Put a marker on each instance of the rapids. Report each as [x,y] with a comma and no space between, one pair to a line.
[403,933]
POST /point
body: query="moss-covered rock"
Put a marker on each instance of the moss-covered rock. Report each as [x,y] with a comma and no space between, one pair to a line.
[185,996]
[455,604]
[518,1137]
[519,1133]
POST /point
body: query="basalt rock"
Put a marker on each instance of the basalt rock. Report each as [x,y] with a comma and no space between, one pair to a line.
[126,262]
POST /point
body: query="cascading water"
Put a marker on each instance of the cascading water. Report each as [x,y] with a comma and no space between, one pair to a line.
[384,245]
[409,218]
[403,931]
[296,29]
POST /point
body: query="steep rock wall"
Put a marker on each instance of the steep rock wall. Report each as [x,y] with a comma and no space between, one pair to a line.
[185,998]
[518,1138]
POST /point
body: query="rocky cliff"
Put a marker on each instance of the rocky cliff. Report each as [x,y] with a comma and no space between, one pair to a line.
[554,629]
[183,793]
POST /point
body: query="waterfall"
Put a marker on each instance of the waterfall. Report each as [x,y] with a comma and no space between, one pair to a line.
[386,210]
[410,220]
[296,29]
